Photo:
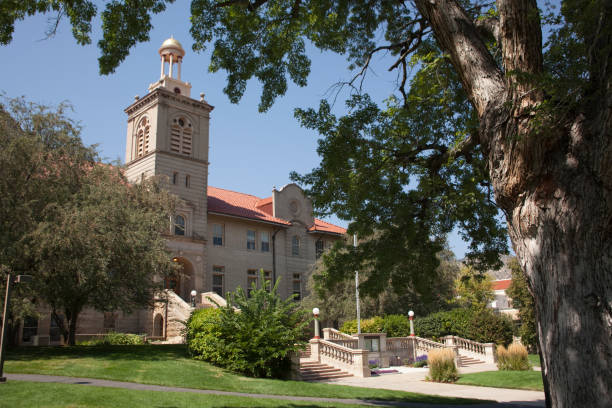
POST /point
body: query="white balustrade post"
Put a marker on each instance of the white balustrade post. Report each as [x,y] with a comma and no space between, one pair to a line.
[327,333]
[449,340]
[315,350]
[360,367]
[490,356]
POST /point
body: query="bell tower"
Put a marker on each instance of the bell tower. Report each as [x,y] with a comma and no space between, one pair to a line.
[167,135]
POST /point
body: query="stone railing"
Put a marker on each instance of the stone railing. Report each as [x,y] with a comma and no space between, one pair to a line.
[350,360]
[340,338]
[470,348]
[426,344]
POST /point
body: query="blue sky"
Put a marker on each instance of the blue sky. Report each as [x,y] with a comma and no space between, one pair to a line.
[250,152]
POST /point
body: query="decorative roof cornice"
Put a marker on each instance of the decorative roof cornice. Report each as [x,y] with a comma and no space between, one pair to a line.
[159,93]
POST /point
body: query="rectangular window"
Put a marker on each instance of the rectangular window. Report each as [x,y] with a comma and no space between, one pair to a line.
[187,180]
[218,232]
[319,247]
[30,329]
[251,280]
[55,334]
[217,283]
[110,320]
[268,280]
[175,178]
[265,241]
[295,246]
[250,239]
[297,287]
[372,344]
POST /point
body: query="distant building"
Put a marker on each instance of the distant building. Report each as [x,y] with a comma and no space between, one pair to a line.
[221,238]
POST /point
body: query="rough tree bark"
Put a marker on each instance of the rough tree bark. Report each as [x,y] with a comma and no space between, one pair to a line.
[553,183]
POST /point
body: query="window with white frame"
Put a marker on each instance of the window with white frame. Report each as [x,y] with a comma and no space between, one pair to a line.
[297,286]
[218,277]
[251,239]
[218,234]
[265,241]
[319,247]
[251,280]
[30,329]
[295,245]
[179,225]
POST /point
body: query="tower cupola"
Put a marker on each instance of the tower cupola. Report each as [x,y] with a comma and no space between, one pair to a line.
[172,53]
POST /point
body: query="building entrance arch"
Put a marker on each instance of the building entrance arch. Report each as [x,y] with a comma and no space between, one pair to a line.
[181,282]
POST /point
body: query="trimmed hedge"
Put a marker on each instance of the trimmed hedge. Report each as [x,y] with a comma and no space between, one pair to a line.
[116,339]
[484,326]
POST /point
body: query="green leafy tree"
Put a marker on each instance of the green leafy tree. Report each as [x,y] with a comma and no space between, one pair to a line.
[489,119]
[88,237]
[473,289]
[104,248]
[253,335]
[35,142]
[523,301]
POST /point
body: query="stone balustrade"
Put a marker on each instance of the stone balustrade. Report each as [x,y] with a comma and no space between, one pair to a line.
[474,349]
[350,360]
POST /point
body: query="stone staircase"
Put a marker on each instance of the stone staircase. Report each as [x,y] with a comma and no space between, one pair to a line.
[315,371]
[306,352]
[465,361]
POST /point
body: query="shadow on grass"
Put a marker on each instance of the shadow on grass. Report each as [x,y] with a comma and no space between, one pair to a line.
[137,352]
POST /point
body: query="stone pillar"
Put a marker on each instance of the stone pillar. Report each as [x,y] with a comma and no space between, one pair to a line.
[490,355]
[360,367]
[314,350]
[449,340]
[326,333]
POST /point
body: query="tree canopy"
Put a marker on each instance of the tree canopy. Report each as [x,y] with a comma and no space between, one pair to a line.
[491,117]
[88,237]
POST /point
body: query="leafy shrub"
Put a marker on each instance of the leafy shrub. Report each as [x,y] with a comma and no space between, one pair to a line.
[255,340]
[442,365]
[372,325]
[396,326]
[373,364]
[116,339]
[488,327]
[479,325]
[514,358]
[393,325]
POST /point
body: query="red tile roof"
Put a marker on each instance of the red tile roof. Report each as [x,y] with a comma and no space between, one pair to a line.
[239,205]
[501,284]
[322,226]
[242,205]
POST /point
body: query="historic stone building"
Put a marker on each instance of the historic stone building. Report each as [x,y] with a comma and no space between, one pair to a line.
[221,238]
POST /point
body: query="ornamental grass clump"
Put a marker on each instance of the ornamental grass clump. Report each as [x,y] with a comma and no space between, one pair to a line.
[515,358]
[442,366]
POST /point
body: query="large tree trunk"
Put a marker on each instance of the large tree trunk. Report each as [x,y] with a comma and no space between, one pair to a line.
[553,182]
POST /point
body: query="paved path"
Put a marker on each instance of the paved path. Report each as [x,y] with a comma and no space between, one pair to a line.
[147,387]
[413,380]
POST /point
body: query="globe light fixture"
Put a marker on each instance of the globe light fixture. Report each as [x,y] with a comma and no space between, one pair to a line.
[411,317]
[315,312]
[193,298]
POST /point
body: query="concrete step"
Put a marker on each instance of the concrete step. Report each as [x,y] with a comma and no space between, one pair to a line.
[315,371]
[465,361]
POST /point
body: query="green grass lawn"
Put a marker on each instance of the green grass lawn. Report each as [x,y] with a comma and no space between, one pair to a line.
[29,394]
[170,366]
[534,359]
[524,380]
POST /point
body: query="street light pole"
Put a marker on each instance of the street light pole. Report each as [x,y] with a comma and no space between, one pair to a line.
[7,298]
[3,334]
[357,290]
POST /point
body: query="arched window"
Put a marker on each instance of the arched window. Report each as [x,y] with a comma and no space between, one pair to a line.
[181,136]
[143,137]
[179,225]
[295,246]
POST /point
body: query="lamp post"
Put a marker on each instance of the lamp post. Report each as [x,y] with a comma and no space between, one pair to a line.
[357,289]
[315,312]
[411,317]
[193,296]
[3,334]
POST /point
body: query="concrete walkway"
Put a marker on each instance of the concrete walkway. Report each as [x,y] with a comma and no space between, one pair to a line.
[148,387]
[413,380]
